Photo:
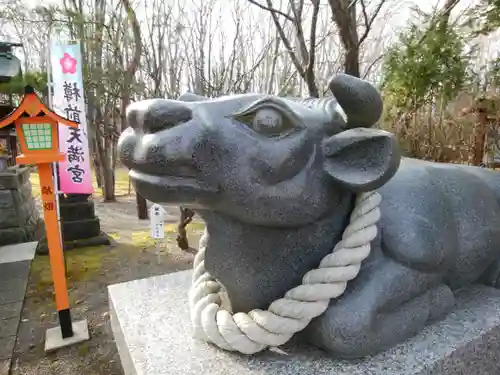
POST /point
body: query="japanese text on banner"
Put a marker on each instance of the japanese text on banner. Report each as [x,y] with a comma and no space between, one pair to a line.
[68,101]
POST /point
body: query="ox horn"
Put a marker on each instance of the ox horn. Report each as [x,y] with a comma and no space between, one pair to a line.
[360,100]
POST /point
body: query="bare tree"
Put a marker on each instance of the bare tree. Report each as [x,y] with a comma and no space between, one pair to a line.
[164,53]
[353,31]
[303,54]
[112,48]
[344,16]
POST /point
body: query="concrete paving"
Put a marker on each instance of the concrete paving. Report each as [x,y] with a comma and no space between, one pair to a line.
[15,263]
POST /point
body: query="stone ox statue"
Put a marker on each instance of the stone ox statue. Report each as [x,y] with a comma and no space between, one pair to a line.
[276,181]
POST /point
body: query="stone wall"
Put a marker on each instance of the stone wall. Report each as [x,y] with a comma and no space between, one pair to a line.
[19,216]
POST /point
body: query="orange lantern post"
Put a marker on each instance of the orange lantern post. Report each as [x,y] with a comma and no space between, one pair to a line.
[37,131]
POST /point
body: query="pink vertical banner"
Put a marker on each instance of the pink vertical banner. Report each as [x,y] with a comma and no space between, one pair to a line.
[68,101]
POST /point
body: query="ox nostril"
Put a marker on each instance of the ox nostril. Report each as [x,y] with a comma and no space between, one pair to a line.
[165,114]
[136,111]
[157,114]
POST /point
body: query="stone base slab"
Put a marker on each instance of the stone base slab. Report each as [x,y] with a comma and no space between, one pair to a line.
[152,329]
[54,339]
[102,240]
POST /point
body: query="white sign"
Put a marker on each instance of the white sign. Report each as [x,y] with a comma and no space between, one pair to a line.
[157,217]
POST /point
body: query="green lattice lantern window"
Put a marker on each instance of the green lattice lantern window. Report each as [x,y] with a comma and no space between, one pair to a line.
[37,136]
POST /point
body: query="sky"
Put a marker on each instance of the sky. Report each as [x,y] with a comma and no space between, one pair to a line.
[405,11]
[400,13]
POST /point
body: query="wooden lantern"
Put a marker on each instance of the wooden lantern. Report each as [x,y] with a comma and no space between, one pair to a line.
[37,131]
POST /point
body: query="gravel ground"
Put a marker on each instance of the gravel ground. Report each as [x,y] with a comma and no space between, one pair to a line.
[90,271]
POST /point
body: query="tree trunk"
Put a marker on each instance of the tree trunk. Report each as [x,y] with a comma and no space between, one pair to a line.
[351,62]
[186,217]
[97,168]
[312,88]
[108,173]
[108,184]
[480,130]
[142,207]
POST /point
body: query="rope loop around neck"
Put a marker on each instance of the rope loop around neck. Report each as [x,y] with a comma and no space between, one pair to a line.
[250,333]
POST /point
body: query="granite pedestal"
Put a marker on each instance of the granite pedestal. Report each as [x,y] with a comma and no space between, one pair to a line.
[79,224]
[19,217]
[150,322]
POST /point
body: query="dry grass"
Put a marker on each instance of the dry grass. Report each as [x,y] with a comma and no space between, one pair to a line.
[428,137]
[445,134]
[89,272]
[85,264]
[81,265]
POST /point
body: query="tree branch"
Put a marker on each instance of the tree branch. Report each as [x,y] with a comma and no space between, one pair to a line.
[369,20]
[270,8]
[299,31]
[286,42]
[310,80]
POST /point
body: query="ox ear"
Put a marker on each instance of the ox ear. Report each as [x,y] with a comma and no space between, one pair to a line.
[190,97]
[361,159]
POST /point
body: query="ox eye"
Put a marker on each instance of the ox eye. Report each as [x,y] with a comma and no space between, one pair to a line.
[267,120]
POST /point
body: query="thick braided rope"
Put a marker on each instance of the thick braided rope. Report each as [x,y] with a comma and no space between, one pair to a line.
[250,333]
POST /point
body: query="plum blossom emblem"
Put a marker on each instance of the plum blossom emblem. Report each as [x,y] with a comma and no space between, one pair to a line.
[68,64]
